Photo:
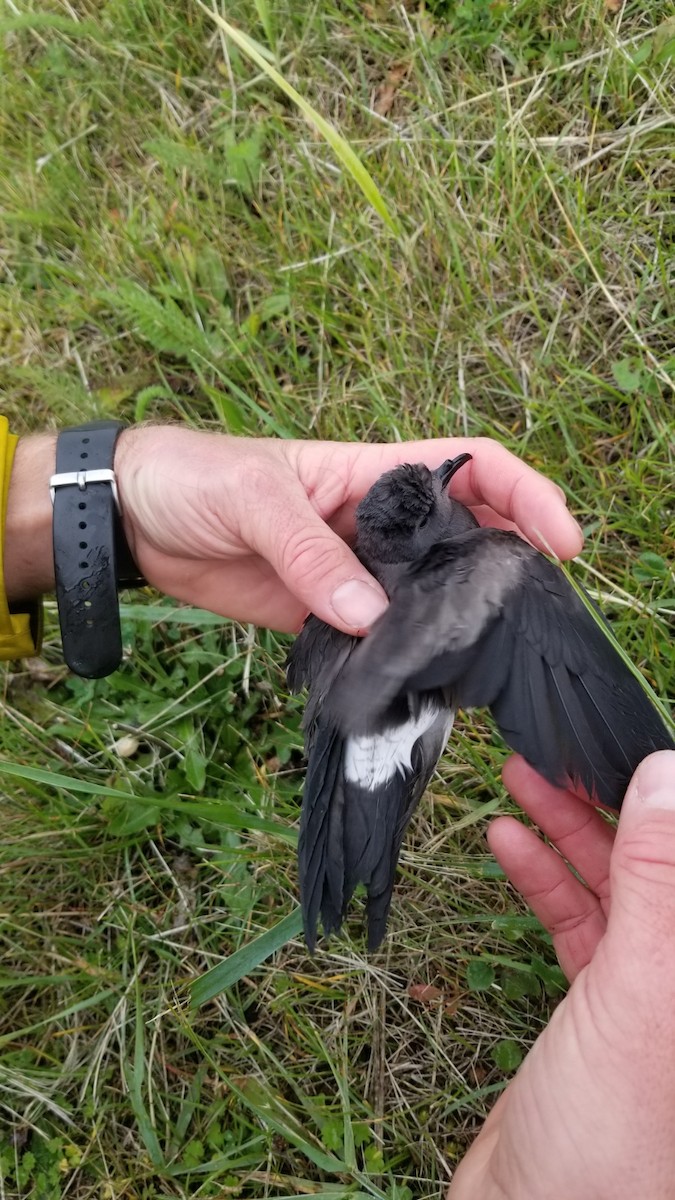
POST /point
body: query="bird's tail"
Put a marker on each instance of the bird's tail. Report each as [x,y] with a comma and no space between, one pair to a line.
[320,865]
[348,835]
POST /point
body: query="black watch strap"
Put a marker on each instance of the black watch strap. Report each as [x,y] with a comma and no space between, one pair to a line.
[91,555]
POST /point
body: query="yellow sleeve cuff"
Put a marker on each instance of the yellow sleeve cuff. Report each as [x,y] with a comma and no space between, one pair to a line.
[20,633]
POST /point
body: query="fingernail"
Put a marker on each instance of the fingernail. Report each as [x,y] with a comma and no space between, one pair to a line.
[573,524]
[357,604]
[655,780]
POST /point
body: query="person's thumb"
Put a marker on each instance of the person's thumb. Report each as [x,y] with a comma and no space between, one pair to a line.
[319,568]
[642,916]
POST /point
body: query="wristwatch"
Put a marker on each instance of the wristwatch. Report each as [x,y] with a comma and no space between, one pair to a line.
[91,555]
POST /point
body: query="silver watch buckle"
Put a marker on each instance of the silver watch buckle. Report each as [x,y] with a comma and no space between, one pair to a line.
[80,479]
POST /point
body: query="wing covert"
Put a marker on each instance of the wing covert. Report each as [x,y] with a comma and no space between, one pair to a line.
[491,620]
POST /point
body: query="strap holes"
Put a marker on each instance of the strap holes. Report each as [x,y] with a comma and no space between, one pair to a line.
[83,545]
[83,566]
[84,454]
[89,623]
[85,441]
[82,505]
[83,524]
[87,604]
[85,585]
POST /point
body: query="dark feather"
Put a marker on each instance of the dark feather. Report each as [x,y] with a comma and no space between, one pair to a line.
[350,835]
[489,618]
[323,798]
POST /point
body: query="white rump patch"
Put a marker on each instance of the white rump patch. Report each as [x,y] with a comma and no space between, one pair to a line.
[372,760]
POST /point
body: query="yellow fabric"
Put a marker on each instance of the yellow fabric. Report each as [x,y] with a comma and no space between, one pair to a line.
[20,633]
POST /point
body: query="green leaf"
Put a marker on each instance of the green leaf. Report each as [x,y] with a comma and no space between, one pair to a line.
[343,151]
[664,42]
[184,156]
[332,1134]
[224,975]
[195,768]
[650,566]
[492,870]
[550,974]
[147,396]
[642,53]
[243,157]
[211,273]
[362,1134]
[373,1159]
[627,377]
[480,975]
[161,323]
[516,985]
[272,306]
[128,819]
[511,926]
[507,1055]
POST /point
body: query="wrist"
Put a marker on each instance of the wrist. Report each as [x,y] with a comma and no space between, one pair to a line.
[28,551]
[126,464]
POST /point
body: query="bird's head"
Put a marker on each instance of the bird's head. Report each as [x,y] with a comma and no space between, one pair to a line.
[407,510]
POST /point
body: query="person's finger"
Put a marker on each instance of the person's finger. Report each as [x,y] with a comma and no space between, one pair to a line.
[488,518]
[642,917]
[312,562]
[536,505]
[568,910]
[578,831]
[494,477]
[472,1176]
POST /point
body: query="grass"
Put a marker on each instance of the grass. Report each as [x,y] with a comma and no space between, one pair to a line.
[180,244]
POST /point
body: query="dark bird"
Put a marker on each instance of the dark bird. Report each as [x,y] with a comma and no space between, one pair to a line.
[476,617]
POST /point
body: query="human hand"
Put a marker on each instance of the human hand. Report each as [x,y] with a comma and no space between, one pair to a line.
[255,528]
[590,1112]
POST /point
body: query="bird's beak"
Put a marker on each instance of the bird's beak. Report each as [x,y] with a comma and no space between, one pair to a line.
[450,467]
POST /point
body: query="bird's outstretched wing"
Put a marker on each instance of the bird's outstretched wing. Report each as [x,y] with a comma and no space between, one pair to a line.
[489,618]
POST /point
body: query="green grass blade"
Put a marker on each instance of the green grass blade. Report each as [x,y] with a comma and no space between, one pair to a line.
[326,1193]
[265,17]
[135,1077]
[196,618]
[69,783]
[271,1109]
[273,1112]
[17,1035]
[37,20]
[222,812]
[343,151]
[245,960]
[243,1155]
